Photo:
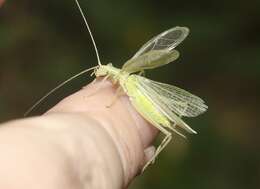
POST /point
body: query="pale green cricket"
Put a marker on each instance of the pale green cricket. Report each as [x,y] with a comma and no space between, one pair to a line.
[162,105]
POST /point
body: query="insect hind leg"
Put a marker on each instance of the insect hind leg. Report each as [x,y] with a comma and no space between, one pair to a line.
[164,143]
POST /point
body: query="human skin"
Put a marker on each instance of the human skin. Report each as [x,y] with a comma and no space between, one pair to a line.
[79,143]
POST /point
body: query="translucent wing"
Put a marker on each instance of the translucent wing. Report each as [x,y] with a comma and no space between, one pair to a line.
[177,100]
[150,60]
[158,51]
[161,106]
[166,40]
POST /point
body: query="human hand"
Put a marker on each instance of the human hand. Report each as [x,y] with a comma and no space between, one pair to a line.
[78,143]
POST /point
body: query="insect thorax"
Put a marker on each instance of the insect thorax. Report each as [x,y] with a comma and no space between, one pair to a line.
[110,71]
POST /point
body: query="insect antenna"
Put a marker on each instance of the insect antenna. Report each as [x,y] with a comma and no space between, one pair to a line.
[89,31]
[75,76]
[55,89]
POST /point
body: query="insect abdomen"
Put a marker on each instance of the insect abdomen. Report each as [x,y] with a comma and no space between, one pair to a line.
[143,103]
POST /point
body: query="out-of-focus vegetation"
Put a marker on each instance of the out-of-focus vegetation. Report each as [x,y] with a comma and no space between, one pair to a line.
[44,42]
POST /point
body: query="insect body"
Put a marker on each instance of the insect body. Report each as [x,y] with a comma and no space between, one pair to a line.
[160,104]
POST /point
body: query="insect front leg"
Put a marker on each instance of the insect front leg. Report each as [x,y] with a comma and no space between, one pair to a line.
[119,92]
[99,86]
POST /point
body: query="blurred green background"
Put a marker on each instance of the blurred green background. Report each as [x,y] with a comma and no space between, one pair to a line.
[44,42]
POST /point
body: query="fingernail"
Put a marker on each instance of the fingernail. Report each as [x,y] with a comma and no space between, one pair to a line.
[149,153]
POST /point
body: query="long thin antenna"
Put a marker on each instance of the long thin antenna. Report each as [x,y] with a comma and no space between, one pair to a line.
[89,30]
[55,89]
